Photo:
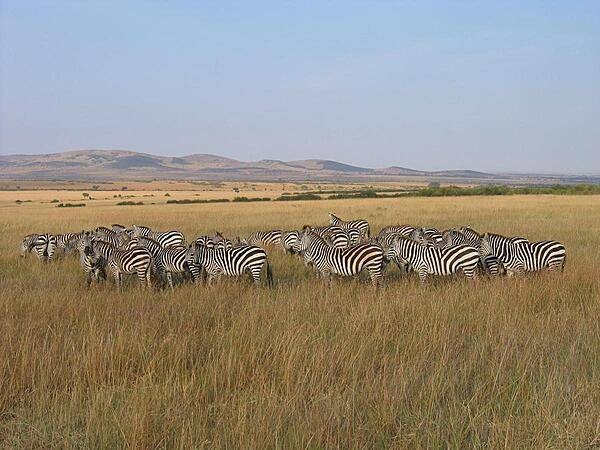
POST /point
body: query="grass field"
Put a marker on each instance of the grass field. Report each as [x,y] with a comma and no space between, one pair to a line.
[511,363]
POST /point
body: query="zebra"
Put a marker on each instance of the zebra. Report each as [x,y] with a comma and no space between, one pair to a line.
[117,239]
[44,246]
[404,230]
[288,240]
[232,262]
[345,262]
[93,266]
[519,255]
[28,243]
[360,224]
[223,243]
[205,241]
[164,238]
[137,260]
[490,264]
[179,260]
[262,238]
[65,241]
[431,260]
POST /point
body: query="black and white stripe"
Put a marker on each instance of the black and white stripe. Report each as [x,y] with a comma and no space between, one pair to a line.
[490,264]
[28,243]
[45,246]
[344,262]
[288,240]
[232,262]
[94,266]
[164,238]
[360,224]
[519,255]
[263,238]
[431,260]
[137,260]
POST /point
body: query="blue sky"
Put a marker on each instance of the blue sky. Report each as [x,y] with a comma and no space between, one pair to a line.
[496,86]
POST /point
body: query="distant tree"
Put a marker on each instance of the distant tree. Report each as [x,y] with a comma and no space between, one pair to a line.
[85,195]
[124,188]
[236,189]
[95,187]
[434,185]
[167,195]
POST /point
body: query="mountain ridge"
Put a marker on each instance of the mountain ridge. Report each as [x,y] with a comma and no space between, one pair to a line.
[107,164]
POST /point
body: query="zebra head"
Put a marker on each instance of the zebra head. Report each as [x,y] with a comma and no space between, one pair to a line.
[139,230]
[485,248]
[334,220]
[28,243]
[400,251]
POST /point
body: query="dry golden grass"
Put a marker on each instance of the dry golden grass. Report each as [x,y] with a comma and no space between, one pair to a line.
[509,363]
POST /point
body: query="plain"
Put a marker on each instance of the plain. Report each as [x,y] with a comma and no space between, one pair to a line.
[497,362]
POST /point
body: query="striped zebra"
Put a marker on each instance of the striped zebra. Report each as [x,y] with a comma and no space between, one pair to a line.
[28,243]
[288,240]
[112,237]
[263,238]
[205,241]
[360,224]
[178,260]
[164,238]
[490,264]
[431,260]
[345,262]
[66,241]
[404,230]
[232,262]
[44,246]
[519,255]
[137,260]
[93,266]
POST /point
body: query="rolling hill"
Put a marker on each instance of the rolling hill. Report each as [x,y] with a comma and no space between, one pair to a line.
[130,165]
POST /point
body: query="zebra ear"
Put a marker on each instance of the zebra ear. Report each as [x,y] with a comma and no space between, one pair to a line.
[306,229]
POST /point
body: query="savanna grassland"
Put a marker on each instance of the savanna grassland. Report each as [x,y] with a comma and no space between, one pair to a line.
[511,363]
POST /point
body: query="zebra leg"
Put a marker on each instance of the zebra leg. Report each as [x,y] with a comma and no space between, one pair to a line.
[169,279]
[255,272]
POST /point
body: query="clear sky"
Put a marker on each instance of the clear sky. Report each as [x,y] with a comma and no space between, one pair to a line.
[493,86]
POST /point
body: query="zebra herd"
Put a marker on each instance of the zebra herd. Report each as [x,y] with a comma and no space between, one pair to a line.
[343,248]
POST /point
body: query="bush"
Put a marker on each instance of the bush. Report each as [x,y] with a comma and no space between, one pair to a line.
[187,201]
[167,195]
[251,199]
[297,197]
[55,201]
[70,205]
[129,203]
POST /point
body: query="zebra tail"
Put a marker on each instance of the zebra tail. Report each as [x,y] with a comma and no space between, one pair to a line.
[269,275]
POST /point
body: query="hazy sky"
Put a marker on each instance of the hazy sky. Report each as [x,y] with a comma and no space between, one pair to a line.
[430,85]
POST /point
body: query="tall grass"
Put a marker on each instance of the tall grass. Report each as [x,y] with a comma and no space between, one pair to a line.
[501,363]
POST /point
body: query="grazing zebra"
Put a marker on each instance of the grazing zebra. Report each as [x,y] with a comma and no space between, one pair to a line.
[489,263]
[28,243]
[232,262]
[288,240]
[93,266]
[137,260]
[44,247]
[360,224]
[178,260]
[404,230]
[261,238]
[520,255]
[117,239]
[345,262]
[65,241]
[164,238]
[430,260]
